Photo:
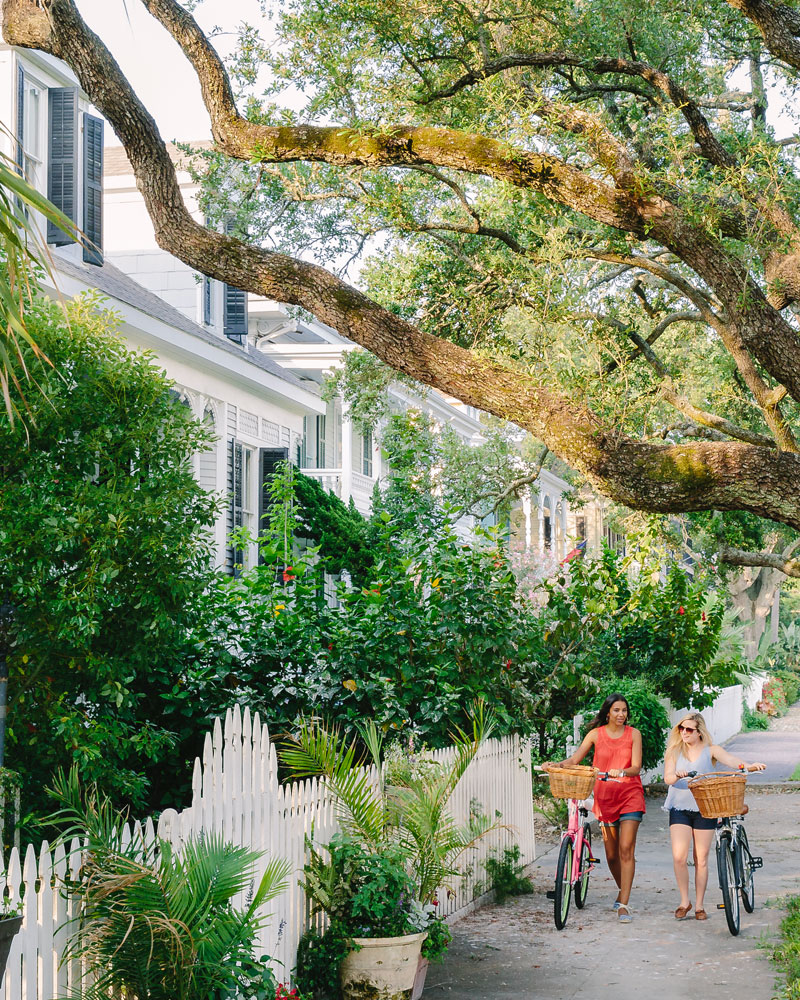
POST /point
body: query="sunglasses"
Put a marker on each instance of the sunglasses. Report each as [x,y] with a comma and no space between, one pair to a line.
[687,729]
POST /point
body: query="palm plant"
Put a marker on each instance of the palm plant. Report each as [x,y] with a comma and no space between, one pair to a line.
[416,822]
[158,924]
[24,255]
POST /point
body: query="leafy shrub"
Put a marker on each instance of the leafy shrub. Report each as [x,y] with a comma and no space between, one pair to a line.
[752,721]
[505,876]
[138,899]
[436,943]
[791,685]
[773,698]
[648,715]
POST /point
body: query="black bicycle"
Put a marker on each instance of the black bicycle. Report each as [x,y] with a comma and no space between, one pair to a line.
[735,866]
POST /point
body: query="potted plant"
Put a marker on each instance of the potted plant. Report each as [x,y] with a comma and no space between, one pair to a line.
[392,857]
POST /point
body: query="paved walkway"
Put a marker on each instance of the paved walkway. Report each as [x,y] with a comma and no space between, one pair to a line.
[514,951]
[778,747]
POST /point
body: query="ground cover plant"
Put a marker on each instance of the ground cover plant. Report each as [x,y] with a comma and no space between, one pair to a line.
[786,954]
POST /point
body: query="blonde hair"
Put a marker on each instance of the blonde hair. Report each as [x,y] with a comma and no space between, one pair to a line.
[674,741]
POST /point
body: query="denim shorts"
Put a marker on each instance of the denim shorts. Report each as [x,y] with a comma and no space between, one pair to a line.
[692,818]
[637,817]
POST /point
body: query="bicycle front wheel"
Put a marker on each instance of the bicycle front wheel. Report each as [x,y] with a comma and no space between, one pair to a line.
[582,885]
[728,882]
[563,883]
[743,862]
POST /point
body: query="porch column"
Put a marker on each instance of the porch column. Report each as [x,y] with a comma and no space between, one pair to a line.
[526,510]
[347,453]
[541,525]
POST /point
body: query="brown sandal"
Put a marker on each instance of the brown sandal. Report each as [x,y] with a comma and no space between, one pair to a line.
[700,915]
[683,911]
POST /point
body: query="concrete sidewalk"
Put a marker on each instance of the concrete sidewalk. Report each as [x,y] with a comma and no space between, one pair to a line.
[514,950]
[778,747]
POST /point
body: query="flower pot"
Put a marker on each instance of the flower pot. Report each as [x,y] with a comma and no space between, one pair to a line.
[8,928]
[419,979]
[382,968]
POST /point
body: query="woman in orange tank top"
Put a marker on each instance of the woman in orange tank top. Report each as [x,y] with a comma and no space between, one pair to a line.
[618,805]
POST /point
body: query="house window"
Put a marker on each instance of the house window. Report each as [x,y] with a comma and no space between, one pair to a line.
[580,527]
[548,532]
[366,453]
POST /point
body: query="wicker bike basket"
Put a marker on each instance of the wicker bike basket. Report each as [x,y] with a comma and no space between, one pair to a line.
[571,781]
[719,793]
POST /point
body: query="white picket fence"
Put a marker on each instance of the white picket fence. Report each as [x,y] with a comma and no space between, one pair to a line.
[235,792]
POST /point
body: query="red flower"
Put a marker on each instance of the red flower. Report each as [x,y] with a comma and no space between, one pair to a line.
[681,611]
[703,616]
[435,902]
[288,574]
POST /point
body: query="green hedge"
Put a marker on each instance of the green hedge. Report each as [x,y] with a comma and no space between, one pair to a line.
[648,715]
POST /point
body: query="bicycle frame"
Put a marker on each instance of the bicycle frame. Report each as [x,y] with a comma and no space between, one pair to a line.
[578,815]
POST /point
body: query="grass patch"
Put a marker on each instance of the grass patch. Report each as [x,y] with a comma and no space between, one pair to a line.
[795,775]
[786,954]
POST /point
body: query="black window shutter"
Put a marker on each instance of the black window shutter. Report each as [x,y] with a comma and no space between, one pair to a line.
[235,501]
[268,459]
[21,120]
[235,314]
[62,163]
[93,189]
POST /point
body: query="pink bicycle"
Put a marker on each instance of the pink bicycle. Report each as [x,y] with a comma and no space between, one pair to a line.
[575,861]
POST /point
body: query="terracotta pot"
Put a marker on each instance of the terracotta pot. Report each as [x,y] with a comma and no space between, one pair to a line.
[382,968]
[419,979]
[8,928]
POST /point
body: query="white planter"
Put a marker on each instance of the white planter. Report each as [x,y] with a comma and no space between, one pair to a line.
[382,969]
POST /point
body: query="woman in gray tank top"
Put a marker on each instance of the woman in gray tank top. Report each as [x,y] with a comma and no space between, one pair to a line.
[690,748]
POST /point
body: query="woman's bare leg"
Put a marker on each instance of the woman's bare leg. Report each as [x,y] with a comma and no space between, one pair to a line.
[681,838]
[628,829]
[702,845]
[611,845]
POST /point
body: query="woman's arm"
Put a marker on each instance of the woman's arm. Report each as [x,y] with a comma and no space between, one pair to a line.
[730,761]
[588,741]
[670,774]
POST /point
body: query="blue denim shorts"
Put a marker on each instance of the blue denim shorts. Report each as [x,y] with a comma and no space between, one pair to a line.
[692,818]
[637,817]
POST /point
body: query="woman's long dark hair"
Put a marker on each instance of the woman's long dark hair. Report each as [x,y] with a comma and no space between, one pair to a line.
[601,719]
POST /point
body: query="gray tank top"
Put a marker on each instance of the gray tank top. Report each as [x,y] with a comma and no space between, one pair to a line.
[680,795]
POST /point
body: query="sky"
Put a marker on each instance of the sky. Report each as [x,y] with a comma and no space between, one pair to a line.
[155,66]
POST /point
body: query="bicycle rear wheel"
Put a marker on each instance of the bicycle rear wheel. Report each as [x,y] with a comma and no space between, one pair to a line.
[728,882]
[745,879]
[582,885]
[563,888]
